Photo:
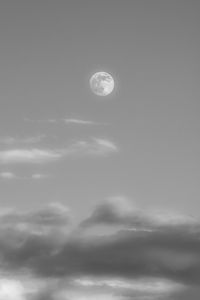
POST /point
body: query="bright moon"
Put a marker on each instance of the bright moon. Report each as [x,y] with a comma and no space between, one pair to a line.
[102,83]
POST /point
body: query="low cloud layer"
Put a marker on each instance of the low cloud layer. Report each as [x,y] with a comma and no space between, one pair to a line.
[146,254]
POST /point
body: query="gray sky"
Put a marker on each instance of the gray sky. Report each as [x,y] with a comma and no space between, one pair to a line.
[61,143]
[49,49]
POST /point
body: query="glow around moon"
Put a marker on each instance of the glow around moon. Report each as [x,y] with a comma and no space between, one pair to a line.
[102,83]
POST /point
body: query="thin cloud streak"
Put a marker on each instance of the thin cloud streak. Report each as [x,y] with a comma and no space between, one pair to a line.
[80,122]
[41,120]
[33,156]
[67,121]
[134,285]
[9,140]
[95,146]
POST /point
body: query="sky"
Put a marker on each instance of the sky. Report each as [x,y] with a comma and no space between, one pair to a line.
[109,175]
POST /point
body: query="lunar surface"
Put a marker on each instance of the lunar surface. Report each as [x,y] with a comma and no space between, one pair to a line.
[102,83]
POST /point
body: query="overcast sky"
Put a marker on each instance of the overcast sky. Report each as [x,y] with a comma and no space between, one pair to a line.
[61,143]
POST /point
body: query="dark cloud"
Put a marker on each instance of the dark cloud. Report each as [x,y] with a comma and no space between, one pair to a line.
[163,252]
[26,236]
[189,293]
[157,254]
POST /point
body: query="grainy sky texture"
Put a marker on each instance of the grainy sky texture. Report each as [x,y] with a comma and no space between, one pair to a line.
[117,177]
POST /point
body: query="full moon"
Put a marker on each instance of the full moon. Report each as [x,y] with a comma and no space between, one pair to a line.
[102,83]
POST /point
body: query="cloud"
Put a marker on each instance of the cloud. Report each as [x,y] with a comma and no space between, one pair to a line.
[39,176]
[25,288]
[12,176]
[119,211]
[128,263]
[115,210]
[169,255]
[8,175]
[79,121]
[95,146]
[41,120]
[25,235]
[11,290]
[68,121]
[34,156]
[165,253]
[54,214]
[9,140]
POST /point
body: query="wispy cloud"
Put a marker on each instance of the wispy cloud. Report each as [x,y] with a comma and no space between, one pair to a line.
[10,140]
[78,122]
[12,176]
[41,120]
[39,176]
[95,146]
[34,156]
[8,175]
[67,121]
[82,122]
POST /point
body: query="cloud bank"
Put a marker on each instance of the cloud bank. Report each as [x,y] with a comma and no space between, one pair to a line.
[146,257]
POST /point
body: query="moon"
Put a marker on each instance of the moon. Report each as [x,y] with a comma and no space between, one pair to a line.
[102,84]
